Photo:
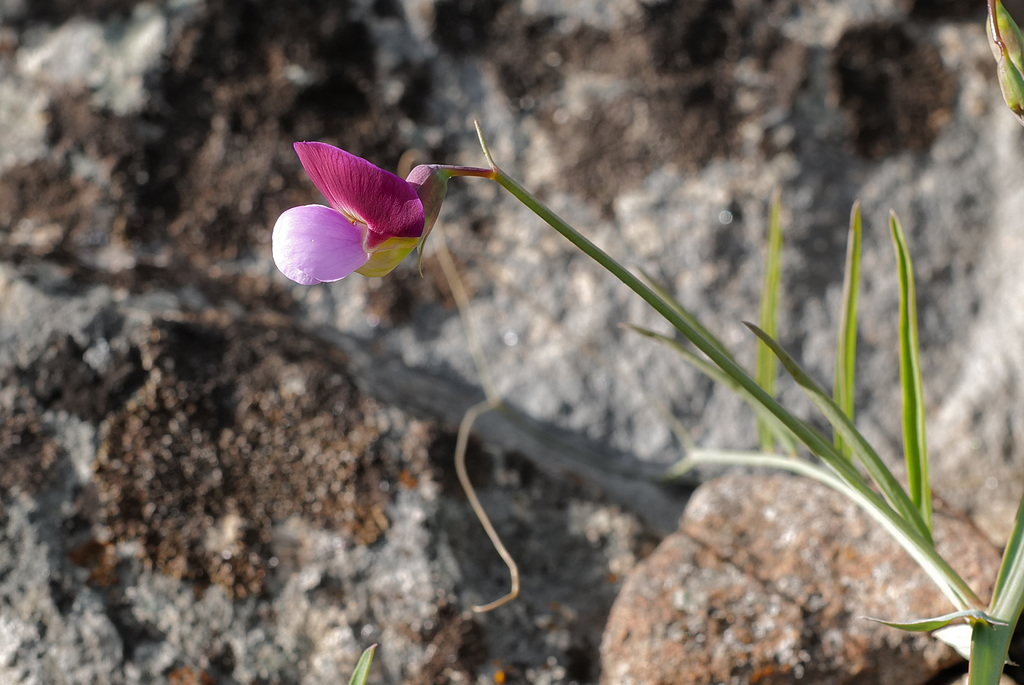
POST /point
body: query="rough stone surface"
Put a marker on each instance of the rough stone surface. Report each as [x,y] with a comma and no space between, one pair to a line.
[199,495]
[211,473]
[769,579]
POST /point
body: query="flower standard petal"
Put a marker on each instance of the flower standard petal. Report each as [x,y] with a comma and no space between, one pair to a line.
[314,244]
[384,202]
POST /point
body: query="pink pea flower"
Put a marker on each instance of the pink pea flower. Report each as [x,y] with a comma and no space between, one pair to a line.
[374,221]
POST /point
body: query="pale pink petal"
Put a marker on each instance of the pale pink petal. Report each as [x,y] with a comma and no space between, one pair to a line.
[383,201]
[314,244]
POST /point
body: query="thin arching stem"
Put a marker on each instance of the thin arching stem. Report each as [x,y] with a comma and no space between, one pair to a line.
[993,24]
[460,469]
[493,401]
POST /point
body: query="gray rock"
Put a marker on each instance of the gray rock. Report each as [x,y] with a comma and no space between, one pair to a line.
[109,60]
[201,496]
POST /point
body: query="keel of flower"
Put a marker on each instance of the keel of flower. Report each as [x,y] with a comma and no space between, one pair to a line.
[387,256]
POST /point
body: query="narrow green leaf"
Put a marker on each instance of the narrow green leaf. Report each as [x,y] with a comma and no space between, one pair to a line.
[841,423]
[1008,596]
[914,443]
[846,347]
[813,470]
[685,314]
[927,625]
[362,672]
[786,440]
[767,366]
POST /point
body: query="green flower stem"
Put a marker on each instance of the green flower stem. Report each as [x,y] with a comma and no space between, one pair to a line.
[989,645]
[959,592]
[454,170]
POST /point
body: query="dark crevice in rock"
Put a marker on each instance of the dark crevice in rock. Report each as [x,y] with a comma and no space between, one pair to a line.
[893,87]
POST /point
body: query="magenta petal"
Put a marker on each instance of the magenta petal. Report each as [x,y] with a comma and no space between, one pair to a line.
[314,244]
[384,202]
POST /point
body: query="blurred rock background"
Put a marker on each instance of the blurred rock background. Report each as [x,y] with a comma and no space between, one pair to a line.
[210,474]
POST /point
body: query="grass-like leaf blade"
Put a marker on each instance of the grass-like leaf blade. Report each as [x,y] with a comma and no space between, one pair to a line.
[914,444]
[780,433]
[846,346]
[685,314]
[767,366]
[927,625]
[1008,596]
[362,672]
[841,423]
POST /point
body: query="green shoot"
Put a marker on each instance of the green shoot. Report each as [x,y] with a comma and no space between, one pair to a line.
[846,347]
[663,292]
[767,366]
[989,647]
[362,672]
[914,443]
[776,428]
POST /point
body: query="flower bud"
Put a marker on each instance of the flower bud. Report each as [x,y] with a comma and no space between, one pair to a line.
[1007,45]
